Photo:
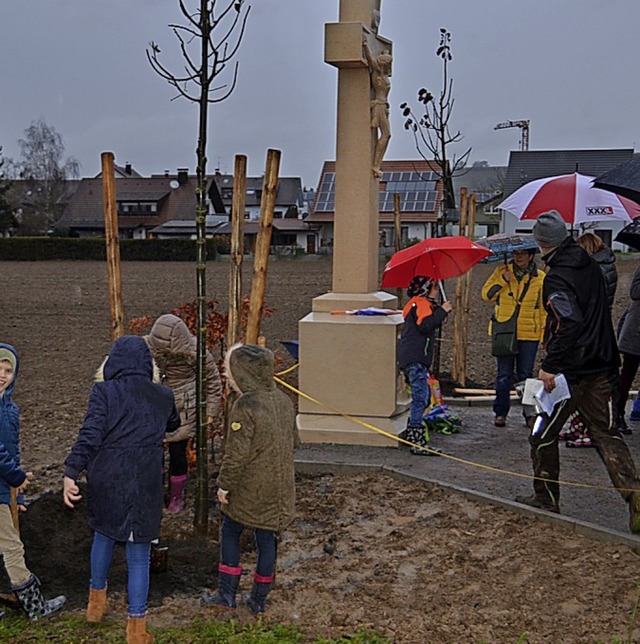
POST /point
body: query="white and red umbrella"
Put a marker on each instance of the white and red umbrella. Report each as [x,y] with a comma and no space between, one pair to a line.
[573,196]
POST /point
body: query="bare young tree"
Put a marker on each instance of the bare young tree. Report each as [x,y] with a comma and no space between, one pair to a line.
[208,40]
[45,172]
[431,131]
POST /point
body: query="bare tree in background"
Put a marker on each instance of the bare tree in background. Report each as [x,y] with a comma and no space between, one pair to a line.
[208,41]
[45,174]
[433,138]
[6,208]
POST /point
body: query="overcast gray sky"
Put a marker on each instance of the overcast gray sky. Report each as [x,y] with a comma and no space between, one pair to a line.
[570,66]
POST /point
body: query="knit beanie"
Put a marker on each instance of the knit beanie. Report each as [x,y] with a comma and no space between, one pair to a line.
[9,356]
[550,229]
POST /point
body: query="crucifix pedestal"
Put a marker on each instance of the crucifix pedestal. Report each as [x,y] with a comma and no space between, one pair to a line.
[348,362]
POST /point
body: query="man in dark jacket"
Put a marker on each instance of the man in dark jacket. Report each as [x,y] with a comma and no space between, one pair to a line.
[422,317]
[580,343]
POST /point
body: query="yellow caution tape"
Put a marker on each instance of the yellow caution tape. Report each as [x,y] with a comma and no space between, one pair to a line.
[456,459]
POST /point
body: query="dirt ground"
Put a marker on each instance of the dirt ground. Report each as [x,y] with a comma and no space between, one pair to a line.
[415,562]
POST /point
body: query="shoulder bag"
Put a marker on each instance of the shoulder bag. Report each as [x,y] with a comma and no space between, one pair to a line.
[504,335]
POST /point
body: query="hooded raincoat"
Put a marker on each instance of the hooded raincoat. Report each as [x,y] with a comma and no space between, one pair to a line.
[120,445]
[257,468]
[174,349]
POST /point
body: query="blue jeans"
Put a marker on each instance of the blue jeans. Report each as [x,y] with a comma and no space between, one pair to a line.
[415,375]
[230,547]
[138,556]
[523,363]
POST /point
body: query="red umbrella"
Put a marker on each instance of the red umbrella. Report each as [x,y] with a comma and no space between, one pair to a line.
[437,257]
[573,196]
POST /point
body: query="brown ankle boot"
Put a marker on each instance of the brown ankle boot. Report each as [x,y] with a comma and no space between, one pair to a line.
[98,606]
[137,631]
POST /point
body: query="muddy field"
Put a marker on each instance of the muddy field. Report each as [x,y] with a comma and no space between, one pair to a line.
[414,562]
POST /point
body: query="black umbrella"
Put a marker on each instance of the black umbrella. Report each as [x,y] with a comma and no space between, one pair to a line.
[630,235]
[623,180]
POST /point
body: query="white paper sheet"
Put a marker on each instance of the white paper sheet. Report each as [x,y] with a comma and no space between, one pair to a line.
[548,400]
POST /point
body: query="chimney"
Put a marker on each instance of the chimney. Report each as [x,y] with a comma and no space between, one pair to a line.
[183,175]
[127,168]
[166,173]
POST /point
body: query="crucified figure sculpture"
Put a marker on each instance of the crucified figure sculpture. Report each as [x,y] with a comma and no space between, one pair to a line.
[379,72]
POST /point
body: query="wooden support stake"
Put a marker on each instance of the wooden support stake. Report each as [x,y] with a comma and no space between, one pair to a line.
[261,259]
[457,312]
[398,237]
[113,246]
[237,249]
[467,291]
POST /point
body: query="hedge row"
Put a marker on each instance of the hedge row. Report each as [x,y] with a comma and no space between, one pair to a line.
[45,248]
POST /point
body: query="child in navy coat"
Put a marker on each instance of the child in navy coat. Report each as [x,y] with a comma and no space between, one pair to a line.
[120,446]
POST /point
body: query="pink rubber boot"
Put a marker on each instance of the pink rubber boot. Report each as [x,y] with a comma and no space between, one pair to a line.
[176,493]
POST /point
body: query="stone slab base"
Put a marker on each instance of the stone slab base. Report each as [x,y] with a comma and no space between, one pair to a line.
[324,428]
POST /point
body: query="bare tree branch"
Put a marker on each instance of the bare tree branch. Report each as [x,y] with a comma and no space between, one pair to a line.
[431,133]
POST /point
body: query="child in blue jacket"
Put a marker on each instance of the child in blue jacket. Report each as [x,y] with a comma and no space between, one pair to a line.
[24,584]
[120,446]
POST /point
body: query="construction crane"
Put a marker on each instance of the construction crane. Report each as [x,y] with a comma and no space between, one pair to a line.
[524,127]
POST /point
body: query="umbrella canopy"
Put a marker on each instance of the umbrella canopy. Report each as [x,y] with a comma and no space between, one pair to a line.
[504,244]
[624,180]
[573,197]
[630,235]
[437,257]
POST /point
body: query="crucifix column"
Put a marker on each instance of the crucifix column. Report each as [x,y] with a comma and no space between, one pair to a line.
[348,362]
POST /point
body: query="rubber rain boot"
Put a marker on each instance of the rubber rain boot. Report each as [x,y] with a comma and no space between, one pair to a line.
[257,598]
[98,606]
[177,485]
[32,602]
[228,582]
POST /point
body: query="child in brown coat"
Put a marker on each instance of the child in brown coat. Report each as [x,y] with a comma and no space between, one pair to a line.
[256,480]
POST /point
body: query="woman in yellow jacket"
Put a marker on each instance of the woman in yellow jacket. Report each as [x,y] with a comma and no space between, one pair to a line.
[506,287]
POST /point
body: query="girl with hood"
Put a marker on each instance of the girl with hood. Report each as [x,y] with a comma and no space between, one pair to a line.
[120,446]
[173,348]
[256,487]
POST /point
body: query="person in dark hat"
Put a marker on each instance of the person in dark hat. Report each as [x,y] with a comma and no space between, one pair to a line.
[422,318]
[580,343]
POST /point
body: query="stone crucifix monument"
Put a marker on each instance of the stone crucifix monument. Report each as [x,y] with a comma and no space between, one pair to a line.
[348,362]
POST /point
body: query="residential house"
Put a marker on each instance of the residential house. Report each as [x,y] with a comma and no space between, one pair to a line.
[288,236]
[526,166]
[420,194]
[143,204]
[289,198]
[290,233]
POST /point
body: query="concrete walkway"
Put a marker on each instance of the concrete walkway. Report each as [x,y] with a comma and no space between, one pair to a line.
[493,464]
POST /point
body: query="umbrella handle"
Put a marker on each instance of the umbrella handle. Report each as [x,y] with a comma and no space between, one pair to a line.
[441,285]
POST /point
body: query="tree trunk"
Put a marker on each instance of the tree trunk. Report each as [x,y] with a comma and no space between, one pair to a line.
[201,514]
